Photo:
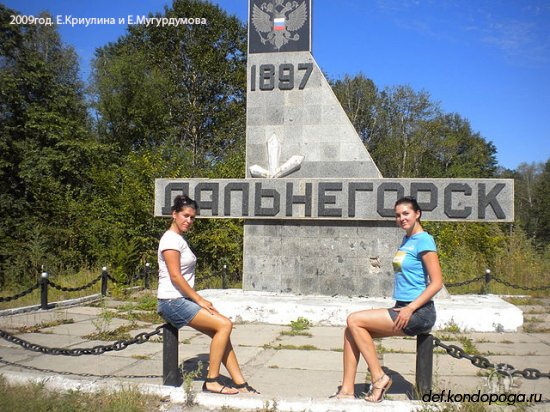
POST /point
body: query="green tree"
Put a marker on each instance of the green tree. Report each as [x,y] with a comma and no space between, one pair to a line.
[358,96]
[540,206]
[526,177]
[178,87]
[46,146]
[170,102]
[408,135]
[455,150]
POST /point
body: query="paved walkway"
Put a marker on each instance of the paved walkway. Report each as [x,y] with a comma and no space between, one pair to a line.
[299,372]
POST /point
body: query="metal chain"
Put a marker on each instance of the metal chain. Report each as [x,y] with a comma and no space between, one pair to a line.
[86,286]
[134,277]
[96,350]
[466,282]
[484,363]
[21,294]
[534,288]
[5,362]
[112,279]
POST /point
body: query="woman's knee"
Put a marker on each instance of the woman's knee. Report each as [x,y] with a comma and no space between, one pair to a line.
[352,320]
[225,324]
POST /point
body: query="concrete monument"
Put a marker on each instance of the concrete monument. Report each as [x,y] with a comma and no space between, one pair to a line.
[318,213]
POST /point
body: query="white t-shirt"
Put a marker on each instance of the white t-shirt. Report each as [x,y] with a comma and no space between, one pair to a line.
[172,241]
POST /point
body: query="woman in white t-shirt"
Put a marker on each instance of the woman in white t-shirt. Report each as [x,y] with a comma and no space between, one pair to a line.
[180,305]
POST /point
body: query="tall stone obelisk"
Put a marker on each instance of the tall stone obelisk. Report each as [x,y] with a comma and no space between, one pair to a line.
[290,102]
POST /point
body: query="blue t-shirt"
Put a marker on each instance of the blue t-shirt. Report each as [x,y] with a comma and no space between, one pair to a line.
[410,277]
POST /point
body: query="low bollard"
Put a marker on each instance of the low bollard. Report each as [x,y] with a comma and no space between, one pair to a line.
[104,278]
[171,375]
[146,276]
[424,363]
[224,277]
[487,281]
[44,291]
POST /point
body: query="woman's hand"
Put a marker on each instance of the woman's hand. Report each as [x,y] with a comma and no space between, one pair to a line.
[206,304]
[403,317]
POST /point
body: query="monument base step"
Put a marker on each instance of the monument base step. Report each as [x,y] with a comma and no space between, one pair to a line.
[469,313]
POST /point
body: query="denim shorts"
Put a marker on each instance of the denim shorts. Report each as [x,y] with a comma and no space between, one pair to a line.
[178,312]
[421,321]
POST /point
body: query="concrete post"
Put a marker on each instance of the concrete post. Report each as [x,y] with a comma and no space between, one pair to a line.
[44,291]
[487,281]
[224,277]
[146,280]
[104,278]
[424,363]
[171,375]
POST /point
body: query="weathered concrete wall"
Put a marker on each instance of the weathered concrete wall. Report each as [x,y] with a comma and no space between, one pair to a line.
[326,258]
[311,257]
[308,122]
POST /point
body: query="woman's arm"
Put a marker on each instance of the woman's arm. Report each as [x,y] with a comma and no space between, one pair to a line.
[432,266]
[172,259]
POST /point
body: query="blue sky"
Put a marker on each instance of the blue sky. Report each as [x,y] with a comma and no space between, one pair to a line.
[488,60]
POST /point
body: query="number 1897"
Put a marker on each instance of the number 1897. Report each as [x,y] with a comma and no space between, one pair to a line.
[268,77]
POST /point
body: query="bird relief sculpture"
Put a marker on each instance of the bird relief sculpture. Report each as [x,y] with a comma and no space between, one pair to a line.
[273,156]
[278,20]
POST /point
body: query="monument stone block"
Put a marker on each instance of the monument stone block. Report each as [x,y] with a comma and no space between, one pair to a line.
[318,215]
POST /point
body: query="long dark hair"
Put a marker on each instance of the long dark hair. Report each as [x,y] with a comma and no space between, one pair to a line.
[182,201]
[411,201]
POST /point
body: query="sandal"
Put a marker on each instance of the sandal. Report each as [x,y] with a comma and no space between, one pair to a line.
[246,386]
[217,380]
[383,390]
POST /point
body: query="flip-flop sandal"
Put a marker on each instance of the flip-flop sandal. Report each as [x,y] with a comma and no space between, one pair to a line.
[220,392]
[249,388]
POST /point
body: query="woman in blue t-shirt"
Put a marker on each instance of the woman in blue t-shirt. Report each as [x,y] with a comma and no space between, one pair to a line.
[417,279]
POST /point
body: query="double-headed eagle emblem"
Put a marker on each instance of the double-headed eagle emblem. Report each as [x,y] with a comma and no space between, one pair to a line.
[277,20]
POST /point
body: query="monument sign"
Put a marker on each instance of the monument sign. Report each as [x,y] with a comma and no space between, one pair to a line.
[318,215]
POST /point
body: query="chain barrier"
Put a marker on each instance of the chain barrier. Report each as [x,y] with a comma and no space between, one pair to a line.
[66,289]
[84,375]
[534,288]
[497,279]
[112,279]
[484,363]
[134,277]
[96,350]
[21,294]
[466,282]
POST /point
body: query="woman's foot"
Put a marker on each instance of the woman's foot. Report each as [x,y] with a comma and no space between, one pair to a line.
[342,395]
[378,389]
[245,388]
[214,386]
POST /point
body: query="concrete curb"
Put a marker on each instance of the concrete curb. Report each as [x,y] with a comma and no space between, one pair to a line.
[211,401]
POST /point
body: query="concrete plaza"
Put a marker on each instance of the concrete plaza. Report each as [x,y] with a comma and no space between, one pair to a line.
[299,372]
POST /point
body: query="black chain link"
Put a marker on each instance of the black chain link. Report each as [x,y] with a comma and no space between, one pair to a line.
[484,363]
[112,279]
[85,375]
[21,294]
[493,277]
[65,289]
[466,282]
[534,288]
[134,277]
[96,350]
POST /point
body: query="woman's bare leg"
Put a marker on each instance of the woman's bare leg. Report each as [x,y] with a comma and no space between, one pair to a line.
[351,359]
[219,328]
[364,326]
